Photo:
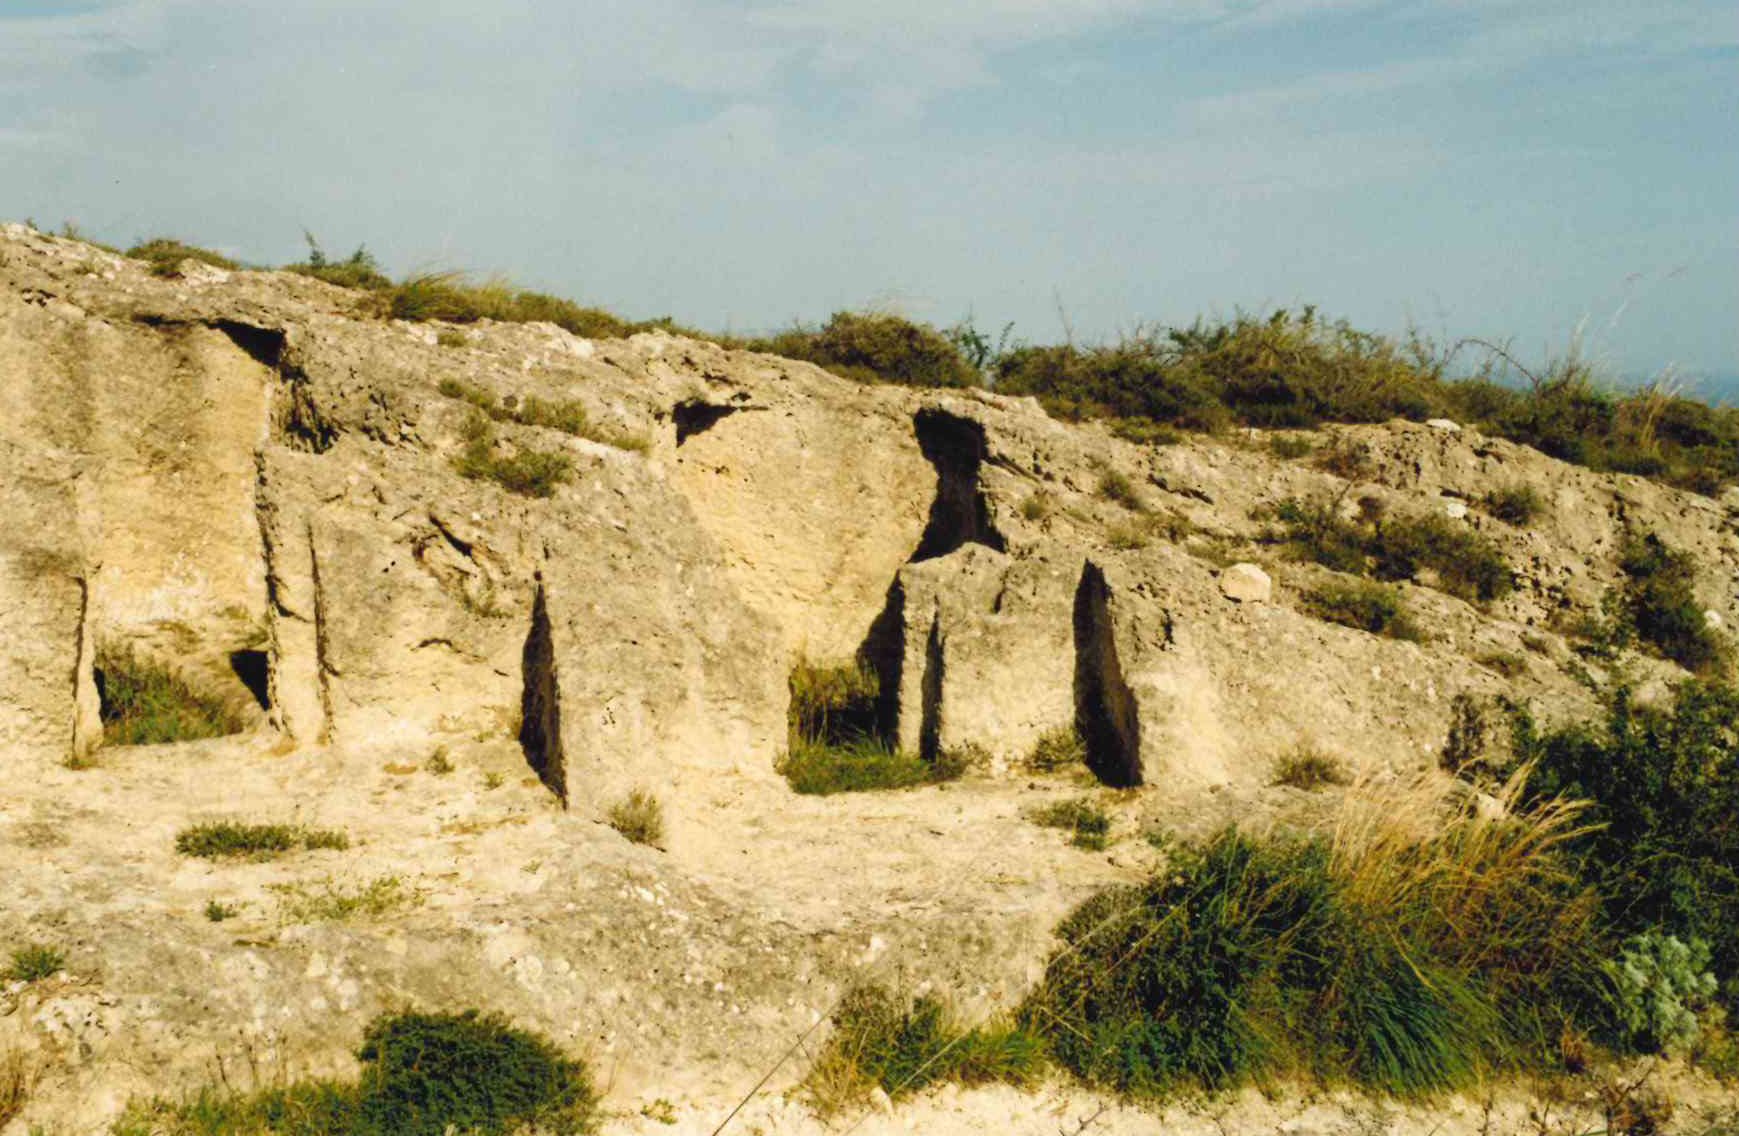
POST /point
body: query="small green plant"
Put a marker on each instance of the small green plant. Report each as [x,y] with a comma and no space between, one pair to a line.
[1061,748]
[1085,819]
[334,902]
[881,1040]
[1128,537]
[1291,446]
[1036,506]
[1116,488]
[492,781]
[1506,663]
[1366,607]
[359,270]
[165,255]
[1660,983]
[639,817]
[439,763]
[447,337]
[1517,505]
[217,911]
[1305,767]
[221,840]
[1467,564]
[660,1110]
[35,962]
[146,703]
[529,473]
[1146,432]
[424,1074]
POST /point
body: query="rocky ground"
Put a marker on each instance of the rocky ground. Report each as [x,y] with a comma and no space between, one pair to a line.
[242,472]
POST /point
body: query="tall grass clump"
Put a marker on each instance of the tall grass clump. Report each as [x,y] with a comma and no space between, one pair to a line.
[903,1046]
[146,703]
[1416,946]
[1662,782]
[835,743]
[165,254]
[424,1074]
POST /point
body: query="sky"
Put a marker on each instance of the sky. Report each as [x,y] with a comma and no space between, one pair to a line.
[1537,172]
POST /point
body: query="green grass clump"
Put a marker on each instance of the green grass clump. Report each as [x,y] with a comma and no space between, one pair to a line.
[165,255]
[1116,488]
[230,840]
[567,416]
[1663,787]
[423,1075]
[876,348]
[1085,819]
[1061,748]
[1658,605]
[34,962]
[832,702]
[527,472]
[216,911]
[855,766]
[1291,446]
[1366,607]
[1402,954]
[146,703]
[359,270]
[902,1047]
[1146,432]
[1516,505]
[334,902]
[639,817]
[1306,768]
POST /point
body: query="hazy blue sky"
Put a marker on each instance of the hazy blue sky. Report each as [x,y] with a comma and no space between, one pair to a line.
[1478,167]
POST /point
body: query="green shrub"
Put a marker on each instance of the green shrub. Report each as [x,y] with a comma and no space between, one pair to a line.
[146,703]
[529,473]
[423,1075]
[881,1040]
[1061,748]
[1116,488]
[1307,768]
[1346,460]
[1290,446]
[217,911]
[640,817]
[34,962]
[1516,505]
[1086,820]
[221,840]
[439,763]
[1145,432]
[1130,380]
[165,255]
[1663,782]
[1657,603]
[569,416]
[1659,985]
[1467,564]
[359,270]
[876,348]
[1366,607]
[1506,663]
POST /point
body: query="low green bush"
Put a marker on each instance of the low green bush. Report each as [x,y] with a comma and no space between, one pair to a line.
[1658,605]
[34,962]
[1663,782]
[165,255]
[902,1047]
[423,1075]
[146,703]
[1117,488]
[1516,505]
[568,416]
[1467,564]
[639,817]
[1660,985]
[1366,607]
[527,472]
[224,840]
[359,270]
[1307,768]
[1087,822]
[1061,748]
[872,347]
[334,901]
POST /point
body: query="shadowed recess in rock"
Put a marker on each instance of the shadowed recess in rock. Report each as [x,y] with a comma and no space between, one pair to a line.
[1105,711]
[956,447]
[253,668]
[695,417]
[540,733]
